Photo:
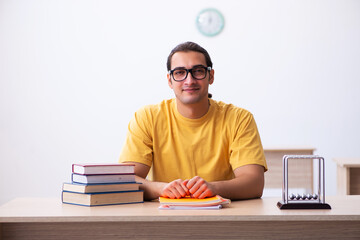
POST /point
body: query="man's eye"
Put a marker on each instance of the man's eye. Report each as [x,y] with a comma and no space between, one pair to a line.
[179,72]
[198,70]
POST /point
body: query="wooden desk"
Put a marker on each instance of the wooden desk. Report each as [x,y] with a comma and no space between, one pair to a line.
[31,218]
[348,176]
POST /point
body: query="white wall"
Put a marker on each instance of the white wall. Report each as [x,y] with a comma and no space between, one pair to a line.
[73,72]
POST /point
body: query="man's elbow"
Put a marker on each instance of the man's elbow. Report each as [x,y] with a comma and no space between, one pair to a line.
[258,188]
[259,193]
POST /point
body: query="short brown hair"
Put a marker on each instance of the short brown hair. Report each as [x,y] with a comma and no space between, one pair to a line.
[187,47]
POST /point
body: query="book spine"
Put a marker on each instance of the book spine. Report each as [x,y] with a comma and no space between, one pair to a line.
[105,183]
[93,174]
[101,181]
[95,193]
[84,205]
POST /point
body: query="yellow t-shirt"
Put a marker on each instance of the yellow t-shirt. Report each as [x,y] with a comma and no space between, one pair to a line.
[211,147]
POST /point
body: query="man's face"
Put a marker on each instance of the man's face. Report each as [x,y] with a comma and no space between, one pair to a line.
[190,90]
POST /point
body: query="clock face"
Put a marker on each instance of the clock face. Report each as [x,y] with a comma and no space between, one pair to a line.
[210,22]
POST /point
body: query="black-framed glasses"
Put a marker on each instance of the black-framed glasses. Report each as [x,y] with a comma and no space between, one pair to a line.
[197,72]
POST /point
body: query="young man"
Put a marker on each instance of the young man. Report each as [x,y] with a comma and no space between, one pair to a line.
[194,145]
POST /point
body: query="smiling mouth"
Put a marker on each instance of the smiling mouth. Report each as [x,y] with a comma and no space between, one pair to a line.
[190,89]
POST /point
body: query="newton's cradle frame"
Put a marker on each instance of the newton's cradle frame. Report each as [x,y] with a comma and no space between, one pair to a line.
[304,201]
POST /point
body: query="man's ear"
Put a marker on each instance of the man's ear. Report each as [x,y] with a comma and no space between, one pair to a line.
[169,81]
[211,78]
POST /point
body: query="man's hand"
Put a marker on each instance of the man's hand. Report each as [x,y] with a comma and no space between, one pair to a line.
[175,189]
[195,187]
[199,188]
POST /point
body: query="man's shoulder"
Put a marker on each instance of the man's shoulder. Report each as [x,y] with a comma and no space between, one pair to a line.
[157,108]
[229,108]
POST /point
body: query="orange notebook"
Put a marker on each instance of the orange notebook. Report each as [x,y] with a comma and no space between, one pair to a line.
[215,202]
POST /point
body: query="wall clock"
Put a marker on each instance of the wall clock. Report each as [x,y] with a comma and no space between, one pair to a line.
[210,22]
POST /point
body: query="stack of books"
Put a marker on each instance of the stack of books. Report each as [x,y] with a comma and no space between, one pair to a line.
[102,184]
[216,202]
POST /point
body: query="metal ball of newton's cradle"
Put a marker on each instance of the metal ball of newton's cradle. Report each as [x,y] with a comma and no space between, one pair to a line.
[303,197]
[292,196]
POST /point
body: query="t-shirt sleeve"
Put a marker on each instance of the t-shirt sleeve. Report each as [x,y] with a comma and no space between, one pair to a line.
[138,146]
[246,147]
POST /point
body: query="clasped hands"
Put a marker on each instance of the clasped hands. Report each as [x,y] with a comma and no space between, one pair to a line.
[196,187]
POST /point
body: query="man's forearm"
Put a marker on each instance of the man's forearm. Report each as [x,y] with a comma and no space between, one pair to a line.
[239,188]
[151,189]
[248,183]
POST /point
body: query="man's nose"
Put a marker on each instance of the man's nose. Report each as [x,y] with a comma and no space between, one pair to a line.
[189,79]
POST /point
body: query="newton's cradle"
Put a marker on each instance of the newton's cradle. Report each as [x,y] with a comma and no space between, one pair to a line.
[305,200]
